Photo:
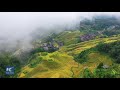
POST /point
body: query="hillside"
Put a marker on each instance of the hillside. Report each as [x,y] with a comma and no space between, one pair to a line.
[61,63]
[89,50]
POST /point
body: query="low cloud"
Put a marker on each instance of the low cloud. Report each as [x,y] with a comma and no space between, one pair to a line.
[17,26]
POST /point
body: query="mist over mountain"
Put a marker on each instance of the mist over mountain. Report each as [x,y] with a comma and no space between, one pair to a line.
[60,44]
[22,27]
[18,26]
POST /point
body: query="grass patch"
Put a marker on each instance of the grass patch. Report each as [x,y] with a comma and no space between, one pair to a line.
[35,62]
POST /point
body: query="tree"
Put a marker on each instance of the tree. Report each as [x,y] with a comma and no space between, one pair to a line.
[87,73]
[100,66]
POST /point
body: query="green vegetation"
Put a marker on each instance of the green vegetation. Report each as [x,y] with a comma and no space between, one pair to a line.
[103,69]
[77,60]
[82,57]
[39,49]
[111,32]
[36,61]
[93,58]
[6,59]
[112,49]
[69,37]
[99,23]
[100,72]
[87,73]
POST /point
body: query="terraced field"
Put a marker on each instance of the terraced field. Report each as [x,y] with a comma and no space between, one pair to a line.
[61,64]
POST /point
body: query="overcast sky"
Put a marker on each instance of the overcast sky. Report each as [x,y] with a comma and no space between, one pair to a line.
[18,22]
[21,23]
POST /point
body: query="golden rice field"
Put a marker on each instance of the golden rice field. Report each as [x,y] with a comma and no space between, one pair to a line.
[61,64]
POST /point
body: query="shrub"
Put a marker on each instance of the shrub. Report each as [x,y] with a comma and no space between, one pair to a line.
[44,53]
[87,73]
[100,66]
[35,62]
[37,50]
[82,57]
[104,73]
[112,49]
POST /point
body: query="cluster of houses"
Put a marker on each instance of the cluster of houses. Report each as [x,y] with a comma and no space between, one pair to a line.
[87,37]
[50,46]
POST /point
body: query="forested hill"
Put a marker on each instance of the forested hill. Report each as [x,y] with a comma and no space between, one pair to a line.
[108,25]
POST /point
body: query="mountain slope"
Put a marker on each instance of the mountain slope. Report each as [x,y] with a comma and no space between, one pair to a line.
[61,63]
